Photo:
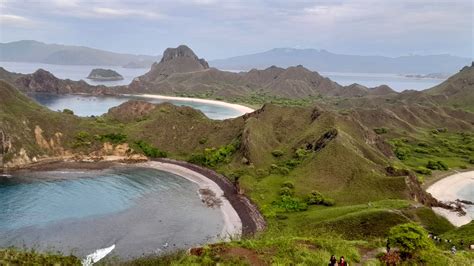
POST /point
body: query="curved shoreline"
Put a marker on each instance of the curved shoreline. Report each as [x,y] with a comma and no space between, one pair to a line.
[446,189]
[240,108]
[232,223]
[251,220]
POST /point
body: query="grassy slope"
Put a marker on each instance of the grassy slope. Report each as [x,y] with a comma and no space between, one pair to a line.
[349,169]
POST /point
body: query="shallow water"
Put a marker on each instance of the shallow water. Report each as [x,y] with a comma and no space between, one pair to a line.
[79,211]
[83,105]
[467,193]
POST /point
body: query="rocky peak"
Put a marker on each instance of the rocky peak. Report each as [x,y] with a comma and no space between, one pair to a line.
[180,52]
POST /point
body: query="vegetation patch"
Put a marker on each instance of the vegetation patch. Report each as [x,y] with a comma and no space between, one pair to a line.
[149,150]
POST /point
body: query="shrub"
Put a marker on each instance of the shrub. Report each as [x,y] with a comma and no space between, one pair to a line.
[212,156]
[329,202]
[149,150]
[286,191]
[68,111]
[115,138]
[82,139]
[423,144]
[292,163]
[277,153]
[380,130]
[423,171]
[290,204]
[471,161]
[288,184]
[203,141]
[402,153]
[301,153]
[284,171]
[409,238]
[438,165]
[314,198]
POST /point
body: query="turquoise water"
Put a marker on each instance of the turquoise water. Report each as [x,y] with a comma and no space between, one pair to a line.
[467,193]
[97,105]
[137,209]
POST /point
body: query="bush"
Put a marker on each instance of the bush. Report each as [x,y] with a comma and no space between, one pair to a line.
[212,156]
[438,165]
[290,204]
[286,191]
[277,153]
[316,198]
[149,150]
[423,171]
[471,161]
[329,202]
[402,153]
[380,130]
[288,184]
[301,153]
[68,111]
[115,138]
[82,139]
[409,238]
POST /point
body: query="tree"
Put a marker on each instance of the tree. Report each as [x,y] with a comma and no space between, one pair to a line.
[409,238]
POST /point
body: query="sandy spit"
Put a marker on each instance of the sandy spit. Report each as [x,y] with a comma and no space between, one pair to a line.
[240,108]
[446,190]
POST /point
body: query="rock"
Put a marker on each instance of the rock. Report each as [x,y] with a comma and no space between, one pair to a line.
[182,51]
[104,75]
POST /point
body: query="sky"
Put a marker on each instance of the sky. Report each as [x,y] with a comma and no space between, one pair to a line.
[219,29]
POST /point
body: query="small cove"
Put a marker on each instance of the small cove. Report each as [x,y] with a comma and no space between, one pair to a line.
[140,210]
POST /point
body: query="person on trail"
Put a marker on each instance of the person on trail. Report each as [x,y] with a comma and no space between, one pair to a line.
[342,262]
[333,261]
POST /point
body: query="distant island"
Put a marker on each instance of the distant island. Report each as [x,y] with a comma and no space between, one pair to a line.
[104,75]
[58,54]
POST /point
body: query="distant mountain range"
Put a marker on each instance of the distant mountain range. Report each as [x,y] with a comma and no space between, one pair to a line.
[38,52]
[313,59]
[324,61]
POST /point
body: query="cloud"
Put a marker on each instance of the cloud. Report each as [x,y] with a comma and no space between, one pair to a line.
[106,12]
[10,20]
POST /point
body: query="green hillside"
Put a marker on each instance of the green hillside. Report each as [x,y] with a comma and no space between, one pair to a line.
[321,177]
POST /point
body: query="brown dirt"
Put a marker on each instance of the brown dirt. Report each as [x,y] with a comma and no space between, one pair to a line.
[248,255]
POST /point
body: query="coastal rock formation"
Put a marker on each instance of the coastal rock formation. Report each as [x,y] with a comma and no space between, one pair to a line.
[104,75]
[43,81]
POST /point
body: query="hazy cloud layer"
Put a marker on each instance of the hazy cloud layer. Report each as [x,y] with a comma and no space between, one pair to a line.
[217,28]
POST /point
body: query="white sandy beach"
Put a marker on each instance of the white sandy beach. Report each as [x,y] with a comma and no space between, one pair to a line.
[240,108]
[232,223]
[447,189]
